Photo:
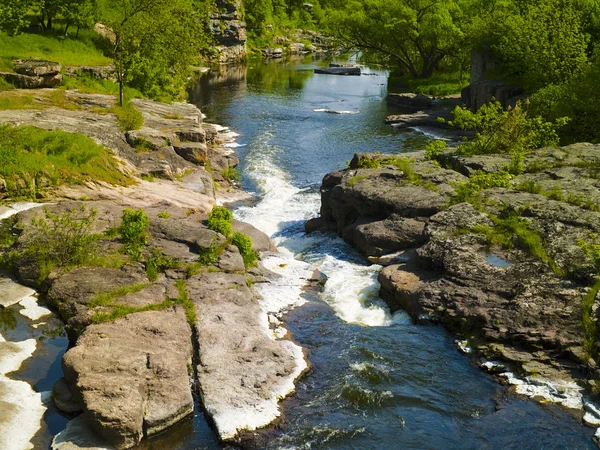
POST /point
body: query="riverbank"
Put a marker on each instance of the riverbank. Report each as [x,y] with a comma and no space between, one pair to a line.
[176,317]
[510,271]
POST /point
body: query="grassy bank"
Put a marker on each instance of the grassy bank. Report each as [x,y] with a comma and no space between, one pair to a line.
[86,50]
[438,85]
[33,160]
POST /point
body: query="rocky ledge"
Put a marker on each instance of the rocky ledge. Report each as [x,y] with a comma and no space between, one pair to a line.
[512,272]
[143,346]
[180,320]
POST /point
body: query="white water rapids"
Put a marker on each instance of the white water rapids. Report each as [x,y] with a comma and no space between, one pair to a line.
[352,287]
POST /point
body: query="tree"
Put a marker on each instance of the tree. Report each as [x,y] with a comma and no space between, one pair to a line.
[543,44]
[12,15]
[154,42]
[80,14]
[416,34]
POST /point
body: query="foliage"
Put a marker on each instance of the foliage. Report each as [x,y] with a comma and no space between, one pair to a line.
[31,158]
[134,234]
[184,299]
[505,132]
[231,174]
[417,35]
[154,42]
[158,262]
[542,43]
[434,149]
[588,321]
[62,240]
[210,255]
[440,84]
[90,85]
[479,181]
[578,99]
[128,116]
[219,220]
[244,245]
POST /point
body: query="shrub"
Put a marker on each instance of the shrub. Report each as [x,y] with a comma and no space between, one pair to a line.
[219,220]
[158,262]
[134,234]
[509,132]
[62,240]
[244,245]
[128,116]
[433,149]
[231,174]
[479,181]
[210,255]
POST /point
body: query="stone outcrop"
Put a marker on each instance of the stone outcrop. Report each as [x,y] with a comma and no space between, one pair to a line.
[229,31]
[483,87]
[141,347]
[413,102]
[131,375]
[34,74]
[520,302]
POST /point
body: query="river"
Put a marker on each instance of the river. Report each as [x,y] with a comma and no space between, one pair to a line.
[377,381]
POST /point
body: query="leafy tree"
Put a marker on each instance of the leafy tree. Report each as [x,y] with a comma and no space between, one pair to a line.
[12,15]
[542,44]
[415,34]
[154,42]
[79,14]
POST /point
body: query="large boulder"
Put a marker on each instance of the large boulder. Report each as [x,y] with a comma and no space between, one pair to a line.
[34,74]
[242,371]
[131,376]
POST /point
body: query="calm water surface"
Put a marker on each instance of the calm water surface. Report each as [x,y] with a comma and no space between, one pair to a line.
[377,381]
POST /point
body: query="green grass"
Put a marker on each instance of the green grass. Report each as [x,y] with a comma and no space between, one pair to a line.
[438,85]
[85,51]
[31,158]
[89,85]
[107,298]
[128,116]
[18,99]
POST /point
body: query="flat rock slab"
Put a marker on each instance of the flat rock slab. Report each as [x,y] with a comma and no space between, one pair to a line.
[243,371]
[131,376]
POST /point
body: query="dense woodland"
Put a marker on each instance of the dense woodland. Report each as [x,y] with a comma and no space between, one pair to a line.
[547,47]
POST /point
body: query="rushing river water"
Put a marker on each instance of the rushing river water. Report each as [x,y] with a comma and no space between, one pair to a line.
[377,381]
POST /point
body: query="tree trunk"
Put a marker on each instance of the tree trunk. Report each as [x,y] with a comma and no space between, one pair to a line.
[67,25]
[49,23]
[120,90]
[77,34]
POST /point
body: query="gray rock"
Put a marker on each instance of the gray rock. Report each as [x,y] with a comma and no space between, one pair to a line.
[194,152]
[78,436]
[241,370]
[63,397]
[137,382]
[231,261]
[32,82]
[416,102]
[147,137]
[36,68]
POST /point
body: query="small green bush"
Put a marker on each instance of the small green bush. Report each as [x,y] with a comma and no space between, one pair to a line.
[158,262]
[210,255]
[244,245]
[62,240]
[231,174]
[128,116]
[478,182]
[219,220]
[134,234]
[434,149]
[499,131]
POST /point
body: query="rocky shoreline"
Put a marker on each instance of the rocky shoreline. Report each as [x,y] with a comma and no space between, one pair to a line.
[524,304]
[142,346]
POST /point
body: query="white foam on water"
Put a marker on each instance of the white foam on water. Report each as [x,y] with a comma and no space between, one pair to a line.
[333,111]
[22,408]
[17,208]
[566,393]
[233,145]
[32,310]
[352,287]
